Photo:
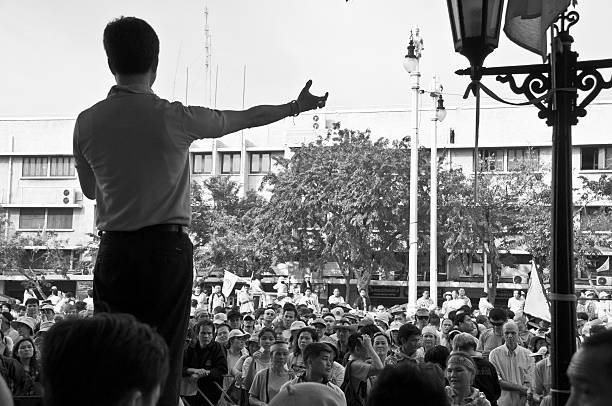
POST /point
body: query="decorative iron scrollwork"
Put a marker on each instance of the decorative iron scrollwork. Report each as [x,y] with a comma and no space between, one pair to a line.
[534,86]
[589,80]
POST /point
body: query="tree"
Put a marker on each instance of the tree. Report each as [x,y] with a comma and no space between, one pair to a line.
[343,198]
[222,237]
[29,254]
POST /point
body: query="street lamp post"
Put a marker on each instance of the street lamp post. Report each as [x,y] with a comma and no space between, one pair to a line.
[411,65]
[475,26]
[439,115]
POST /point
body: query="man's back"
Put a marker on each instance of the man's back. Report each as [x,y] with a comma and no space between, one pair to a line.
[137,147]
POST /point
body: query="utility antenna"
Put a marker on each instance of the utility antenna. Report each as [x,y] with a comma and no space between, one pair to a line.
[207,56]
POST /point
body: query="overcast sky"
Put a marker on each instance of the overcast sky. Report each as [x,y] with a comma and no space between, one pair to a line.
[53,62]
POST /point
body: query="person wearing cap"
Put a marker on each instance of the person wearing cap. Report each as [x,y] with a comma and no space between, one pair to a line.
[422,318]
[204,361]
[220,318]
[381,319]
[604,308]
[54,297]
[318,364]
[25,326]
[236,350]
[335,298]
[493,337]
[319,325]
[343,329]
[408,338]
[267,383]
[248,324]
[47,312]
[514,367]
[460,373]
[486,379]
[337,373]
[234,319]
[393,333]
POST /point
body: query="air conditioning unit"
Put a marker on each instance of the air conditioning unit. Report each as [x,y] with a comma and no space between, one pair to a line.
[67,196]
[604,280]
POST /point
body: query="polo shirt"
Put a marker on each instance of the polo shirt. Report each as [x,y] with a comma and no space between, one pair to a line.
[134,147]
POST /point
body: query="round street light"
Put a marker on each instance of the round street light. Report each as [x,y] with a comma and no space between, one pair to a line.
[475,25]
[411,61]
[440,110]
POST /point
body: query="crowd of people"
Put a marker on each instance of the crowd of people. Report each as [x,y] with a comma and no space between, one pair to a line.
[244,354]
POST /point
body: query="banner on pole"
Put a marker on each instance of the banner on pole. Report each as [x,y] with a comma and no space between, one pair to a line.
[604,267]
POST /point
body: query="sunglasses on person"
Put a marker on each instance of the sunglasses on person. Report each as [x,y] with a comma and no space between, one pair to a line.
[422,317]
[497,322]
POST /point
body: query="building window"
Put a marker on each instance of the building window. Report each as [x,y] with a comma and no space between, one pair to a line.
[32,219]
[59,219]
[592,158]
[61,166]
[50,219]
[230,163]
[202,163]
[524,158]
[42,166]
[35,166]
[263,162]
[491,160]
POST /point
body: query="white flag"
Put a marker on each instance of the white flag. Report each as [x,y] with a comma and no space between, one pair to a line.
[536,304]
[604,267]
[229,281]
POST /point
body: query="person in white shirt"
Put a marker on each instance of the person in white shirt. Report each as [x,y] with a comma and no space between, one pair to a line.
[424,302]
[88,300]
[217,299]
[54,297]
[335,298]
[516,303]
[515,368]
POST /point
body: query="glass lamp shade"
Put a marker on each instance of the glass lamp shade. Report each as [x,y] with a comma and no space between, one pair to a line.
[440,114]
[411,64]
[475,25]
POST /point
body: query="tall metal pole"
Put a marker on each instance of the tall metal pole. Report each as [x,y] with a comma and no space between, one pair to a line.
[562,296]
[414,174]
[433,205]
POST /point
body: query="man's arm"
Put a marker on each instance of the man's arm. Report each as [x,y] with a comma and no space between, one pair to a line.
[266,114]
[86,175]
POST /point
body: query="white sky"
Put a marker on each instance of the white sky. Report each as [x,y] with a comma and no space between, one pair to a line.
[53,62]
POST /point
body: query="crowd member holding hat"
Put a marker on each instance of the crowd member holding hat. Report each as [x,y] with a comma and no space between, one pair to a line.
[318,362]
[267,382]
[204,361]
[304,337]
[460,373]
[486,379]
[408,337]
[363,363]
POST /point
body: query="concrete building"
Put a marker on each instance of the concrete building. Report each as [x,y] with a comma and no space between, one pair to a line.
[39,189]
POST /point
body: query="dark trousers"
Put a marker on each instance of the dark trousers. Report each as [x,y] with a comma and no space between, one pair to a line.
[149,274]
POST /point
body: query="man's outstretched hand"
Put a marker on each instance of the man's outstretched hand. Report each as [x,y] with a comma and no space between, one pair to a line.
[307,101]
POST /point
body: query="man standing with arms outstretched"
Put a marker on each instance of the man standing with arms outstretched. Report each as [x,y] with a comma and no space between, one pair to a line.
[132,155]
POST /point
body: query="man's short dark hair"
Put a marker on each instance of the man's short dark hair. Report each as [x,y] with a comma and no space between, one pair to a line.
[290,309]
[423,384]
[233,314]
[131,46]
[106,342]
[601,343]
[314,350]
[32,300]
[408,330]
[497,314]
[438,355]
[353,341]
